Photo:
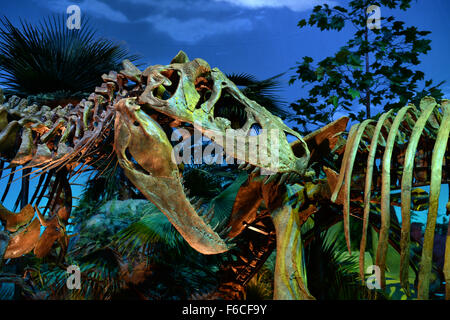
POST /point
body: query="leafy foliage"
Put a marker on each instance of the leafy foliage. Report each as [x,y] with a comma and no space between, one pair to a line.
[151,230]
[375,67]
[261,91]
[202,180]
[332,273]
[100,276]
[260,287]
[50,59]
[178,271]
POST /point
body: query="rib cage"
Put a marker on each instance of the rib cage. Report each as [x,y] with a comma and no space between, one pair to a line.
[57,144]
[396,153]
[44,140]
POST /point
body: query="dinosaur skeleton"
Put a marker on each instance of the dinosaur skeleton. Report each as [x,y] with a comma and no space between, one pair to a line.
[409,131]
[131,115]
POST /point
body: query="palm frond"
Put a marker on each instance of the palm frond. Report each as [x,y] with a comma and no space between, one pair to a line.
[223,203]
[264,92]
[201,180]
[153,229]
[49,57]
[100,277]
[242,79]
[332,273]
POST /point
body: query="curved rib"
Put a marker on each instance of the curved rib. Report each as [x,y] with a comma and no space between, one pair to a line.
[385,193]
[406,190]
[435,188]
[367,189]
[348,179]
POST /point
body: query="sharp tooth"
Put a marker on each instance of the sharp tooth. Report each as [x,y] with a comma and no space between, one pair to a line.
[257,170]
[248,167]
[284,176]
[209,215]
[208,219]
[230,243]
[242,165]
[271,178]
[197,205]
[193,200]
[215,227]
[225,231]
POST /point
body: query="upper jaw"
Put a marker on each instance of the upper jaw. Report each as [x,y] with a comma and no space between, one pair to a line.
[187,103]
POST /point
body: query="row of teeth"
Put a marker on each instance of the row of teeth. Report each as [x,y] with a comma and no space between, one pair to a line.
[286,177]
[207,214]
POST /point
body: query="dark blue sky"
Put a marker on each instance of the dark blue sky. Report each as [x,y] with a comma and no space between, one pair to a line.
[259,37]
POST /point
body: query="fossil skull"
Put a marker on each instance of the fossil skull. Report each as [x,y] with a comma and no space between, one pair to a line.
[190,92]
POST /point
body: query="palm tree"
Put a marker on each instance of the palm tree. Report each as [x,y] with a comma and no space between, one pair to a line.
[264,92]
[51,62]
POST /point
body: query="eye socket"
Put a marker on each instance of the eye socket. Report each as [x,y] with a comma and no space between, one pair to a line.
[166,92]
[204,86]
[136,123]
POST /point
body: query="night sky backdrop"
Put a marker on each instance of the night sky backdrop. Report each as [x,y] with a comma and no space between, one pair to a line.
[259,37]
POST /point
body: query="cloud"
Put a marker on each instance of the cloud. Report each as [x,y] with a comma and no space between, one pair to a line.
[186,21]
[193,30]
[294,5]
[102,10]
[180,20]
[93,7]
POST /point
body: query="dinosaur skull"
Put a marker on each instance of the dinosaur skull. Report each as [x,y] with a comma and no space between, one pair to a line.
[190,92]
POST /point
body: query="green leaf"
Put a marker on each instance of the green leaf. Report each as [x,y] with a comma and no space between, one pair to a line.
[392,54]
[302,23]
[354,93]
[320,72]
[334,101]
